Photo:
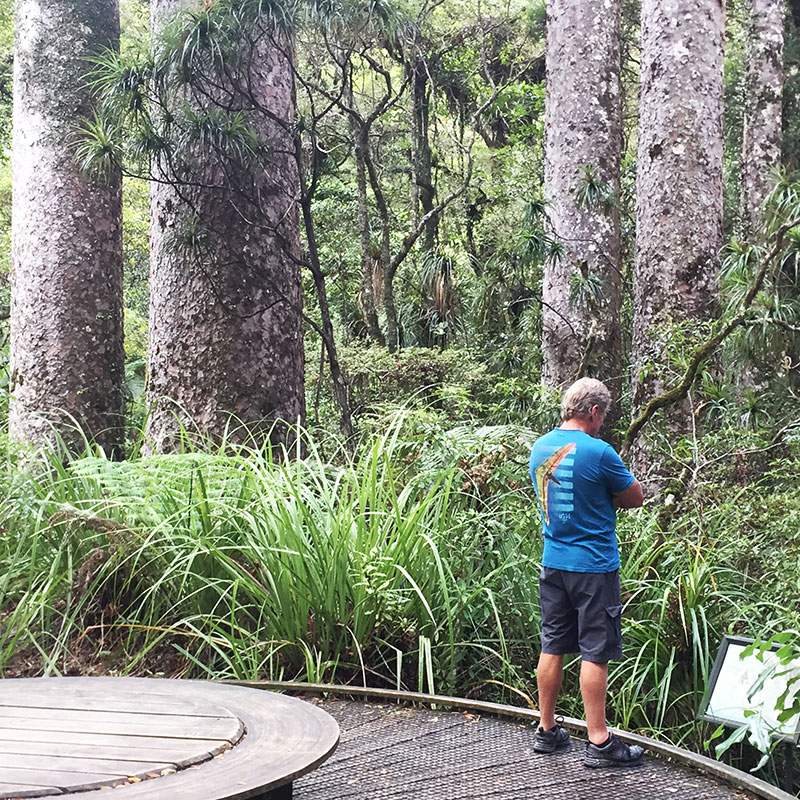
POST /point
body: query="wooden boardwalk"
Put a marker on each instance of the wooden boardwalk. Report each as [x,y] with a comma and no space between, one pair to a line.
[161,740]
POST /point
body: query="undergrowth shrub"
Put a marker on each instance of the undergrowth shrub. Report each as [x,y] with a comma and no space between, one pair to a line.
[249,566]
[413,562]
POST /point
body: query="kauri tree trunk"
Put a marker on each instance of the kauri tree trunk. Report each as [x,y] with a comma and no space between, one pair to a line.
[226,345]
[583,131]
[66,305]
[761,140]
[679,185]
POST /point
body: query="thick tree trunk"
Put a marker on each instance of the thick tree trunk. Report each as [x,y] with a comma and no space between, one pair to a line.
[66,305]
[679,184]
[761,140]
[226,346]
[583,129]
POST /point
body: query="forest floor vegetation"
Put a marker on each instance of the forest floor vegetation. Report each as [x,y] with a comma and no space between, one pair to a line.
[410,562]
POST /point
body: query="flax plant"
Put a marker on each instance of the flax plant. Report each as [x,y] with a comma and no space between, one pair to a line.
[253,563]
[682,592]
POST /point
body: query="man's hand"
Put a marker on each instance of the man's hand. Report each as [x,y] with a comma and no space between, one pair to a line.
[632,497]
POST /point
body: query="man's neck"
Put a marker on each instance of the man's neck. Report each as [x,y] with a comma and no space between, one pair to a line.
[576,424]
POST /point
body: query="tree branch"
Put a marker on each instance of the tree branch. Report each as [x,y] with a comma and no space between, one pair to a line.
[701,353]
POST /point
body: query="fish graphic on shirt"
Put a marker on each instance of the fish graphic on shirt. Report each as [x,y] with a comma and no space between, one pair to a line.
[544,476]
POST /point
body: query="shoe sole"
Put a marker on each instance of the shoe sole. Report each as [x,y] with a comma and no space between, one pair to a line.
[607,762]
[546,749]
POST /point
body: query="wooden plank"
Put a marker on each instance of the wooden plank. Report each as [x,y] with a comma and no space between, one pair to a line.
[78,764]
[286,738]
[202,748]
[176,754]
[129,694]
[13,790]
[42,712]
[229,729]
[73,781]
[130,703]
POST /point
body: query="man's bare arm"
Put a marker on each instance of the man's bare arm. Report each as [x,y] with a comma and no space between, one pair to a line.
[632,497]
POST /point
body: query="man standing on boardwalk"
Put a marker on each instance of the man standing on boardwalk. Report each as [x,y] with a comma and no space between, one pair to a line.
[580,482]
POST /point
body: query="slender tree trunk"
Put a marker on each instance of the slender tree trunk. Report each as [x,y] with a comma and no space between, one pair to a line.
[388,269]
[422,161]
[367,293]
[679,185]
[66,305]
[761,140]
[226,345]
[326,329]
[583,129]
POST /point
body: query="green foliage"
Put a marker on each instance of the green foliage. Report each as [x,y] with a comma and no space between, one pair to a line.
[585,289]
[6,75]
[735,83]
[790,144]
[5,232]
[537,18]
[134,26]
[249,566]
[521,107]
[216,130]
[771,335]
[411,563]
[448,380]
[97,149]
[682,592]
[593,193]
[135,335]
[136,251]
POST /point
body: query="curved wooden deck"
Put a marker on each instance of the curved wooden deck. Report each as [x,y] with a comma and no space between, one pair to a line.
[155,739]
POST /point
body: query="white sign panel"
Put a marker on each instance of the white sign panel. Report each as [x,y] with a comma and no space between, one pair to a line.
[732,691]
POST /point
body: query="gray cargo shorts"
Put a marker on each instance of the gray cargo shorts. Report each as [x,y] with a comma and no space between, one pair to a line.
[581,613]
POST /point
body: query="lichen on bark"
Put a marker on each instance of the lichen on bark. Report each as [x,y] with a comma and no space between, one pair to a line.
[583,128]
[761,136]
[67,365]
[226,347]
[679,185]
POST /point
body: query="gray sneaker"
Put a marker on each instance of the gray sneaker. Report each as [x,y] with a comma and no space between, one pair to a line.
[614,753]
[550,741]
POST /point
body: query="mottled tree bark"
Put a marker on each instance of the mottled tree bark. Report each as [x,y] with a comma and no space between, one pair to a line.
[226,343]
[583,128]
[66,304]
[761,139]
[679,184]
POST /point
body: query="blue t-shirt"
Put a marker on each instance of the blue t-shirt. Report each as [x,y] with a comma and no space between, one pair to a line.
[575,476]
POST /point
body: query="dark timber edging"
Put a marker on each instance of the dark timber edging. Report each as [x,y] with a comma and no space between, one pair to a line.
[732,776]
